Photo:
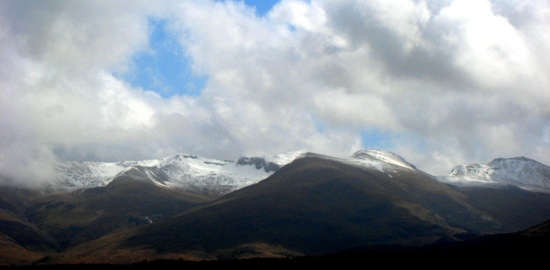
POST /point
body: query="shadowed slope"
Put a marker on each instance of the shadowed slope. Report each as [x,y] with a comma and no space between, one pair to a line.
[515,209]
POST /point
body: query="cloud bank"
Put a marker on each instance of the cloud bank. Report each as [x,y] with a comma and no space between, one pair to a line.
[446,82]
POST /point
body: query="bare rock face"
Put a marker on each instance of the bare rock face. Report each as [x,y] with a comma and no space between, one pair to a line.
[259,163]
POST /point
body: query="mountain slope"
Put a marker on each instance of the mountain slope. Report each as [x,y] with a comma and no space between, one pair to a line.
[21,241]
[316,205]
[513,208]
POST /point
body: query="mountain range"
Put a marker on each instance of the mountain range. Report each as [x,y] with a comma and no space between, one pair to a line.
[206,175]
[288,205]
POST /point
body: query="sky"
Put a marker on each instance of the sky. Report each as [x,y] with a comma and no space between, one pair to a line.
[440,83]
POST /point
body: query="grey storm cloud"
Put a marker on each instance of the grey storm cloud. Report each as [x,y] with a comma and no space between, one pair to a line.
[446,82]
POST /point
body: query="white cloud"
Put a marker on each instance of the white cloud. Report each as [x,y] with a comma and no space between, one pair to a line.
[360,110]
[450,82]
[299,14]
[489,48]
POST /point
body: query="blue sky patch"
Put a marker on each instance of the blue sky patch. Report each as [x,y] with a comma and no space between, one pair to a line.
[165,68]
[262,6]
[373,138]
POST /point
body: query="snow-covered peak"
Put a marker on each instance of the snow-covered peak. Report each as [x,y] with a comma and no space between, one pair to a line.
[519,171]
[379,159]
[186,171]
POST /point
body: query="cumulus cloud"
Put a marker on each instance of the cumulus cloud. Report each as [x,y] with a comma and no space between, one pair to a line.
[448,81]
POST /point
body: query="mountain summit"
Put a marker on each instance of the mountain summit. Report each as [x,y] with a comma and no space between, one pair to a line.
[379,159]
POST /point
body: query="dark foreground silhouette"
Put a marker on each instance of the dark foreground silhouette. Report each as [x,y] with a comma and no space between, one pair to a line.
[522,249]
